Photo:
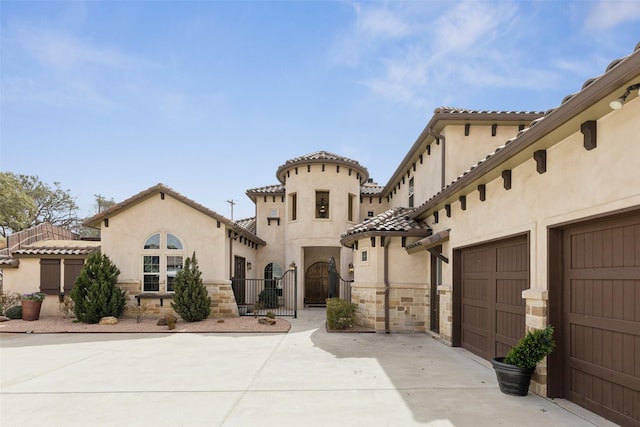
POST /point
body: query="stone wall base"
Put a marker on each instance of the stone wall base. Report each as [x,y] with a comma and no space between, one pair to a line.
[408,308]
[223,301]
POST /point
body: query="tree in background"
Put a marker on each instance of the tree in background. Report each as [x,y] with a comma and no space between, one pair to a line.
[190,299]
[102,203]
[95,294]
[25,202]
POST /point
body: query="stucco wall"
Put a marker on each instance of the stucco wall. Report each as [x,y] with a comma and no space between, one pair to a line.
[124,238]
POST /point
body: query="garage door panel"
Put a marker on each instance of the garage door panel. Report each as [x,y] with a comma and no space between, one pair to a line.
[602,317]
[492,309]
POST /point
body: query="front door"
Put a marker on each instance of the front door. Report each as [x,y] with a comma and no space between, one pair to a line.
[316,284]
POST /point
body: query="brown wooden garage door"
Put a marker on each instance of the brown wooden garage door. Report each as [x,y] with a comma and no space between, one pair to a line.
[492,311]
[602,317]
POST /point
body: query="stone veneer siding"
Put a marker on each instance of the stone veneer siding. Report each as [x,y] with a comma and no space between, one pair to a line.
[537,318]
[408,308]
[223,301]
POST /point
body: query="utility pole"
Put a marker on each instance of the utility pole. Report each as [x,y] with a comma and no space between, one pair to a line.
[231,202]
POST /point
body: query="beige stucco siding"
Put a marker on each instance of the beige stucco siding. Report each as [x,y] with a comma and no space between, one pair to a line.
[127,232]
[270,230]
[578,184]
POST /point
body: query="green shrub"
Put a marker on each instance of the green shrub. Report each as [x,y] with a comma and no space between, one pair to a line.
[269,298]
[95,294]
[8,299]
[270,315]
[532,348]
[190,300]
[340,313]
[14,312]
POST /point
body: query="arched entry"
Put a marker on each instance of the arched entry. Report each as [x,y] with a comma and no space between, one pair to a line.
[316,284]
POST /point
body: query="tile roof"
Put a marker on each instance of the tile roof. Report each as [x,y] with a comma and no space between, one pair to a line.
[248,224]
[395,221]
[8,262]
[552,119]
[268,190]
[56,250]
[322,157]
[371,190]
[456,110]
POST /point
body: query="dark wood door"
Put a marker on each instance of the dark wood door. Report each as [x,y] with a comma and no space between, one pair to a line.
[601,317]
[316,284]
[492,310]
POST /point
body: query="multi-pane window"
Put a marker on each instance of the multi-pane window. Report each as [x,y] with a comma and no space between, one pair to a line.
[161,260]
[322,204]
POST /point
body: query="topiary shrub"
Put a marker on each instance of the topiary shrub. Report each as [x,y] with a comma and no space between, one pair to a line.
[531,349]
[190,299]
[269,298]
[14,312]
[340,313]
[95,294]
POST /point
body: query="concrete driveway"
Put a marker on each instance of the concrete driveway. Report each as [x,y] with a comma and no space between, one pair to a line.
[306,377]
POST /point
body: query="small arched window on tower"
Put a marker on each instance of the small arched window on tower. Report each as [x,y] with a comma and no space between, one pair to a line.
[322,204]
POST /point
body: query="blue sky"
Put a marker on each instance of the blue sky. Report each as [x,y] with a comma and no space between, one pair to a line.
[210,97]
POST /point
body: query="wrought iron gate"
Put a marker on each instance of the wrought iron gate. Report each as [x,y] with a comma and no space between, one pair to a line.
[260,296]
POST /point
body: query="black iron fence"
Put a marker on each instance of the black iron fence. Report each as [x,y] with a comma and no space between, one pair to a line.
[338,287]
[260,296]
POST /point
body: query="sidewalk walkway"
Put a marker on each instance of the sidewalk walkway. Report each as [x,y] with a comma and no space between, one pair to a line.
[306,377]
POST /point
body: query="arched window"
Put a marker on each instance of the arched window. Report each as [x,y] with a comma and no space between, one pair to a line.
[162,258]
[272,274]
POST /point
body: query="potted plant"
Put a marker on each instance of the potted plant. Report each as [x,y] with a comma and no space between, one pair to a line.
[515,369]
[31,305]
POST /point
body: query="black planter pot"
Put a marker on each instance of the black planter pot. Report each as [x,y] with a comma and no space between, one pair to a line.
[512,379]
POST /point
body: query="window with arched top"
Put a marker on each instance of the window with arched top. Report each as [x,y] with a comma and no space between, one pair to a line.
[163,255]
[272,274]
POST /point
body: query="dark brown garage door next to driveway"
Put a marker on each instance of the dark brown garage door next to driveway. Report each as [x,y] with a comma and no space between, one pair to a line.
[490,312]
[601,317]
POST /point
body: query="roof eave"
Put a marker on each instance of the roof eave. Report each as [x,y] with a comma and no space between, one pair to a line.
[590,98]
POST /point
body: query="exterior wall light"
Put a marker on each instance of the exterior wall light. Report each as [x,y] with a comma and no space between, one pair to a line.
[350,267]
[617,104]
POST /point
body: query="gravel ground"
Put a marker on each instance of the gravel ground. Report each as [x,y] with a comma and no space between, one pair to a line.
[47,325]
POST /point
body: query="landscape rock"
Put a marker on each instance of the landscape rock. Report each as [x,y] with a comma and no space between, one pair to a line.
[4,319]
[109,320]
[267,321]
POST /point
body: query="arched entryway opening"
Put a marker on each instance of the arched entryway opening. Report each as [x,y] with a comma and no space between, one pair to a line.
[316,284]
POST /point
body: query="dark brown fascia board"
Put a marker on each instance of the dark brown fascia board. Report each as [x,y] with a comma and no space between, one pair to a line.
[156,189]
[364,173]
[348,240]
[589,104]
[437,124]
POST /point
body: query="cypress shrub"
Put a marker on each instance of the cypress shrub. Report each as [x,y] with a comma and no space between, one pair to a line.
[95,294]
[190,298]
[340,313]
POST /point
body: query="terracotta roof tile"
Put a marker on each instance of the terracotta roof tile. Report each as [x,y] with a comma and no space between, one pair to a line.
[54,250]
[267,189]
[456,110]
[322,157]
[248,224]
[395,221]
[371,190]
[7,262]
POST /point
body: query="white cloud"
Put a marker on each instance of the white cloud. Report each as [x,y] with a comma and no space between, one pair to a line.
[380,23]
[607,14]
[62,51]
